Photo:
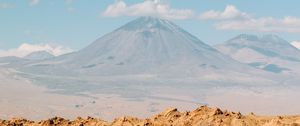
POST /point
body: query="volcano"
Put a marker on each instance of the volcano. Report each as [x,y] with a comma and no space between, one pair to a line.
[150,50]
[147,45]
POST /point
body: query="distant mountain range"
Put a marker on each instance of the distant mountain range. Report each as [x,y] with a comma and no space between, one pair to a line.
[145,46]
[39,55]
[267,52]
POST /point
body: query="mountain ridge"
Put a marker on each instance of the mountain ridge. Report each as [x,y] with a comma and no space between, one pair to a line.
[39,55]
[264,51]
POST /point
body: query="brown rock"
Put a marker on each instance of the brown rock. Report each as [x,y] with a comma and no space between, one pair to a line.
[202,116]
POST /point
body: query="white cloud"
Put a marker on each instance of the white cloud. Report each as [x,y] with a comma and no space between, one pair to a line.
[5,6]
[230,19]
[34,2]
[296,44]
[26,49]
[147,8]
[265,24]
[230,12]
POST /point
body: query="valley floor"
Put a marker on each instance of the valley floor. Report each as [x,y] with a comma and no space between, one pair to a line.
[20,98]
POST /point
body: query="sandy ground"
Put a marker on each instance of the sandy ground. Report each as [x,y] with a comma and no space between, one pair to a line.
[274,102]
[20,98]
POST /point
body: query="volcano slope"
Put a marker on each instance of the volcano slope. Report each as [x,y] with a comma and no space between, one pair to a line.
[267,52]
[202,116]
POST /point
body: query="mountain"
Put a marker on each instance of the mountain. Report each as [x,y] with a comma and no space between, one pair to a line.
[39,55]
[143,57]
[147,46]
[10,60]
[267,52]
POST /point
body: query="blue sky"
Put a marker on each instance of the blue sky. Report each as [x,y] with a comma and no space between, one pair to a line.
[77,23]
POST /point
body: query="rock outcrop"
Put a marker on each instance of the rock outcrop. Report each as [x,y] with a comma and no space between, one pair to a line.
[202,116]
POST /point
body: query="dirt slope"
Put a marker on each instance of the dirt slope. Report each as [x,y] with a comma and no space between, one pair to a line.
[202,116]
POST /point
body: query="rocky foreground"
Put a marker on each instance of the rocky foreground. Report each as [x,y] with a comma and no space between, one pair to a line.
[202,116]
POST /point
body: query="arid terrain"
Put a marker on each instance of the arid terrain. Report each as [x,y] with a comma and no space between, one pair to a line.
[202,116]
